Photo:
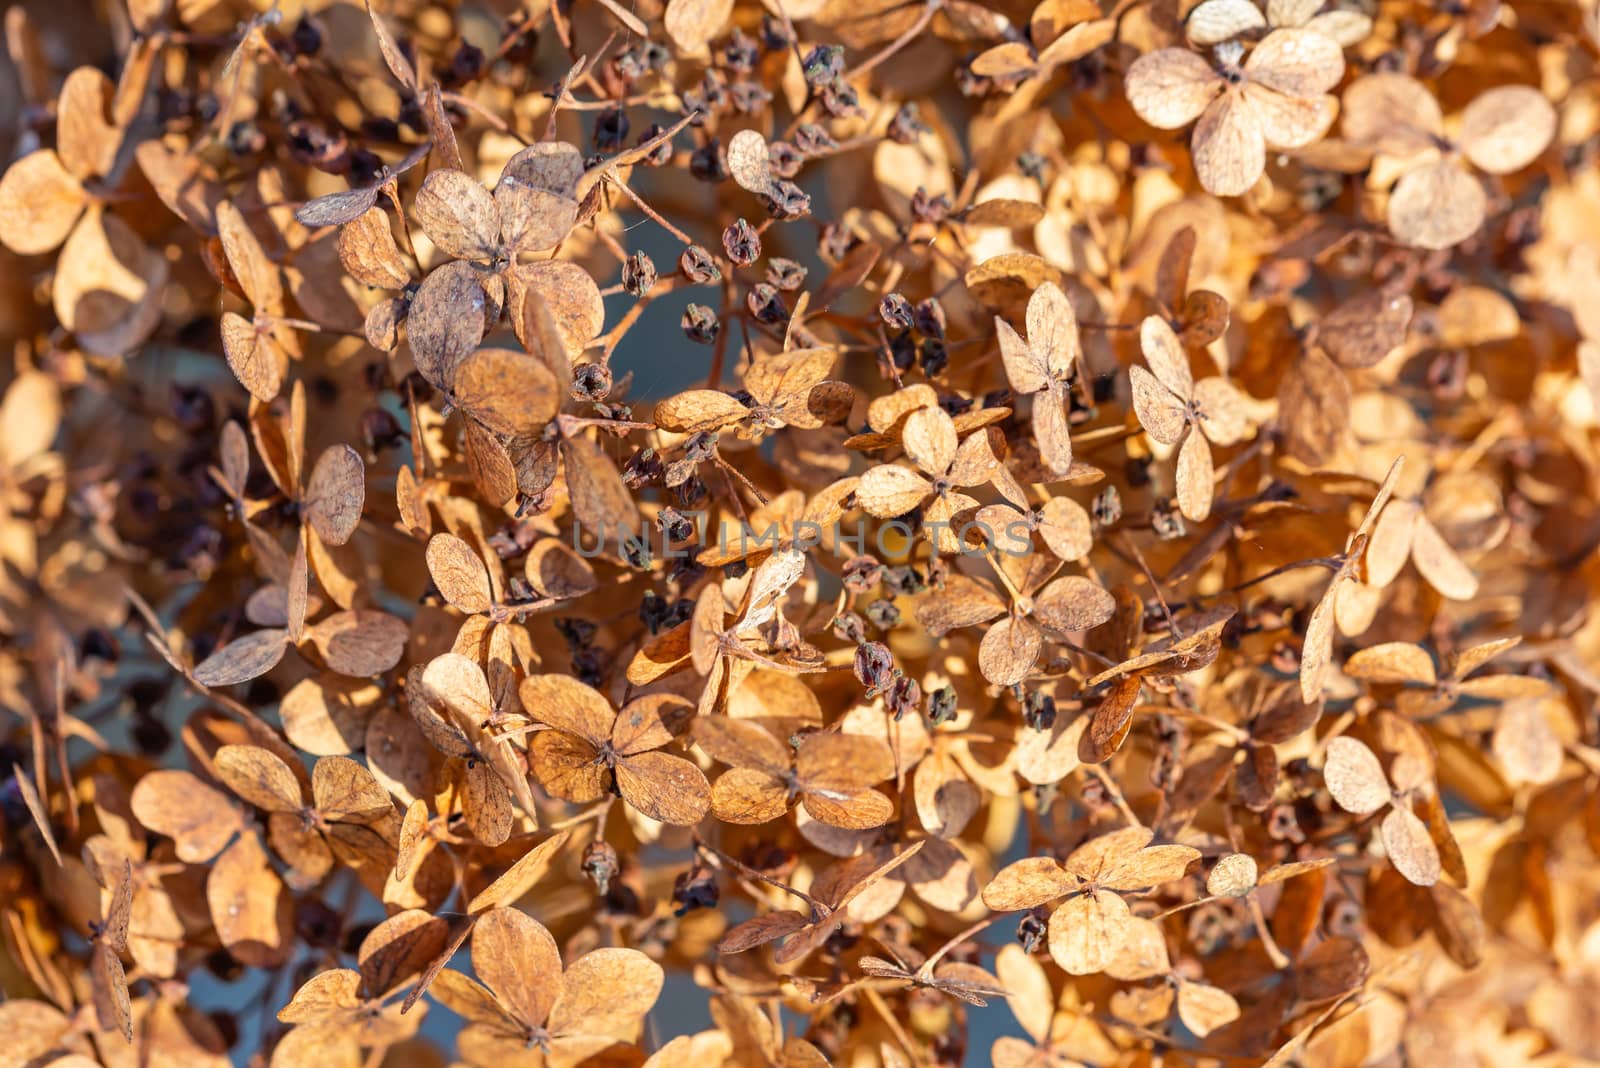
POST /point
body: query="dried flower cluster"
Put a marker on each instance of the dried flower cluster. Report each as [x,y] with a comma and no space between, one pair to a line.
[697,533]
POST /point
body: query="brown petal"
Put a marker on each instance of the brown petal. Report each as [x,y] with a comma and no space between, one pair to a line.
[198,819]
[568,766]
[740,743]
[346,791]
[1050,430]
[511,393]
[368,251]
[1439,564]
[458,215]
[1149,867]
[259,777]
[1087,932]
[568,705]
[335,494]
[606,990]
[842,763]
[459,574]
[1053,329]
[516,957]
[748,796]
[250,909]
[888,490]
[698,410]
[666,788]
[360,643]
[258,276]
[243,659]
[929,438]
[1158,411]
[759,930]
[446,321]
[858,811]
[1026,884]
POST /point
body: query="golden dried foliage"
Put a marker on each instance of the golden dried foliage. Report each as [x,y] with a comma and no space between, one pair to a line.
[852,514]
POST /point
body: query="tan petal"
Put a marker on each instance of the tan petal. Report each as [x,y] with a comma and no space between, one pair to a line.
[1074,603]
[1149,867]
[1204,1008]
[1354,776]
[1215,21]
[1436,205]
[1506,128]
[888,490]
[1164,353]
[607,990]
[858,811]
[39,203]
[842,763]
[446,321]
[243,659]
[929,438]
[1391,112]
[1158,411]
[1392,662]
[1390,545]
[1289,122]
[1025,369]
[1222,411]
[568,766]
[697,410]
[1088,931]
[1196,477]
[693,23]
[1317,650]
[1229,149]
[1009,650]
[1051,432]
[1410,848]
[511,393]
[1171,87]
[1053,329]
[1439,563]
[1298,62]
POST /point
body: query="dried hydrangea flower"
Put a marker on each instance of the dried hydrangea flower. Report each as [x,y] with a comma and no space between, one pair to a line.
[1276,98]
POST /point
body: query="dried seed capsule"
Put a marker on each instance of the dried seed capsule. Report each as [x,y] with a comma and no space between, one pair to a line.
[698,266]
[942,705]
[895,310]
[822,65]
[638,274]
[700,324]
[601,865]
[741,242]
[766,304]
